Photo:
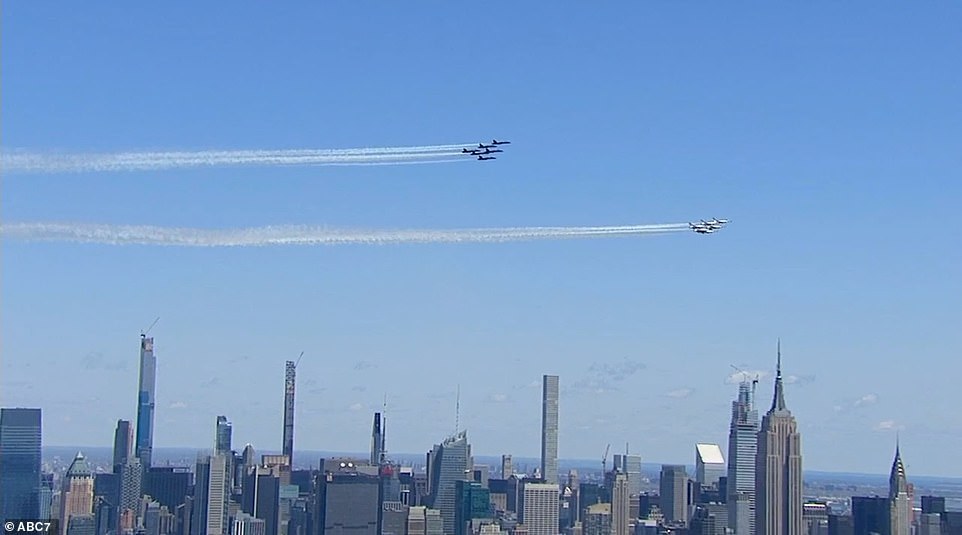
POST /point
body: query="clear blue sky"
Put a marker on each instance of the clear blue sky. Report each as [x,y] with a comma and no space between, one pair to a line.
[829,133]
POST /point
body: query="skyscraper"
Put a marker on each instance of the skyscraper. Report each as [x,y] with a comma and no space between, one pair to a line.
[539,508]
[77,492]
[709,464]
[619,505]
[742,448]
[19,463]
[630,465]
[347,502]
[290,376]
[211,491]
[145,401]
[901,506]
[673,485]
[449,462]
[222,436]
[123,439]
[377,440]
[549,429]
[506,467]
[778,468]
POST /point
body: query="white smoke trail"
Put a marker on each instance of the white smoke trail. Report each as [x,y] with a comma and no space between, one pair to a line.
[306,235]
[34,162]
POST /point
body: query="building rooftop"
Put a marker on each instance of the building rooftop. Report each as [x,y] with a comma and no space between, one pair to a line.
[710,453]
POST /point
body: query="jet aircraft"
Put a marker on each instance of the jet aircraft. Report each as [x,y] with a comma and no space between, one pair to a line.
[486,157]
[496,142]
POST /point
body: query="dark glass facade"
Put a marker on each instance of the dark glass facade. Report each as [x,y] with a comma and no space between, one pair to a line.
[19,463]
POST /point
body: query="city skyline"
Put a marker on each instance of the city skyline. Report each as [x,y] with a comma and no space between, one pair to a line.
[825,133]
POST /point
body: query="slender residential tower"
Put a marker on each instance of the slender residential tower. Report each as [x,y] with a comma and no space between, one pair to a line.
[377,440]
[901,505]
[742,447]
[145,401]
[290,373]
[549,429]
[778,468]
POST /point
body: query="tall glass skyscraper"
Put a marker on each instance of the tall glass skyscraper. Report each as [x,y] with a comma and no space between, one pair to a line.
[549,429]
[449,463]
[223,436]
[19,464]
[145,402]
[742,447]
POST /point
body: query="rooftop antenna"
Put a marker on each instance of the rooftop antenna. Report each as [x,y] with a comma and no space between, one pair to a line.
[145,332]
[298,361]
[457,412]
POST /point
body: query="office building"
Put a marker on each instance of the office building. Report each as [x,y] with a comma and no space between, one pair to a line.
[19,463]
[930,524]
[394,518]
[815,518]
[901,506]
[620,505]
[870,514]
[742,447]
[448,463]
[473,502]
[597,519]
[81,524]
[245,524]
[168,485]
[123,440]
[709,464]
[222,436]
[673,486]
[416,520]
[145,402]
[211,492]
[347,502]
[507,469]
[539,508]
[933,504]
[290,376]
[261,497]
[46,495]
[630,465]
[77,491]
[549,429]
[778,468]
[433,522]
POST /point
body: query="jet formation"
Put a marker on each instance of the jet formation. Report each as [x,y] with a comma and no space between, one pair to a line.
[484,150]
[708,227]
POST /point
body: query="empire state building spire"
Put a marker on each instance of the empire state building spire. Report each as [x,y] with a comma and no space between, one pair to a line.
[778,401]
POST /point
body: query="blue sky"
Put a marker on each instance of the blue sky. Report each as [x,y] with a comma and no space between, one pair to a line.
[828,133]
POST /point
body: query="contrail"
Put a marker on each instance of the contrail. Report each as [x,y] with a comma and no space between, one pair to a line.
[20,161]
[307,235]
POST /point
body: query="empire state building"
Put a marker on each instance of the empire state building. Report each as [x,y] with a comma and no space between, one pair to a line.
[778,468]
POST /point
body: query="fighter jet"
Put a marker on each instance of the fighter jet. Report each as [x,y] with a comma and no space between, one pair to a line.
[485,151]
[496,142]
[483,146]
[486,158]
[701,229]
[716,221]
[467,151]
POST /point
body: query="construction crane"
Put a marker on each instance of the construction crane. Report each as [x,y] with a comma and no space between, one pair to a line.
[145,332]
[604,461]
[298,361]
[745,376]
